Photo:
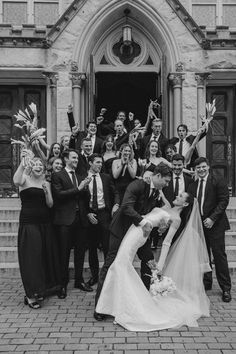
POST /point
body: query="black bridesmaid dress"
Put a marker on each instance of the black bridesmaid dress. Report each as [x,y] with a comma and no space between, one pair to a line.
[37,247]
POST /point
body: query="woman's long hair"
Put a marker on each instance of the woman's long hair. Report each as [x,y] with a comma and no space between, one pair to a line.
[184,215]
[50,153]
[147,150]
[110,136]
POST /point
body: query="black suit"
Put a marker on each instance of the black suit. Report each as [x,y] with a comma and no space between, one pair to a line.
[162,141]
[99,233]
[136,202]
[83,165]
[70,218]
[169,190]
[215,203]
[189,139]
[75,143]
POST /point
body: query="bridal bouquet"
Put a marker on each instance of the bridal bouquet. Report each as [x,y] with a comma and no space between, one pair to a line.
[160,284]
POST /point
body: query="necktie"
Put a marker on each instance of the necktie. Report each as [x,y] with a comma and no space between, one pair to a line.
[181,146]
[73,178]
[152,194]
[199,197]
[176,192]
[94,200]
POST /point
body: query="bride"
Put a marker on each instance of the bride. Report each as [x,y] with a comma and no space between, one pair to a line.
[124,295]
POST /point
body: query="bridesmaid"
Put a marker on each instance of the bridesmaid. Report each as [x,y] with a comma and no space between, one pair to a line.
[124,169]
[109,153]
[36,246]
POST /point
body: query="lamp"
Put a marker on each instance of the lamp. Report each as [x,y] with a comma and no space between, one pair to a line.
[127,30]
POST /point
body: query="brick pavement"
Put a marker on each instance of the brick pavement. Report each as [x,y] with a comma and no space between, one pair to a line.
[68,326]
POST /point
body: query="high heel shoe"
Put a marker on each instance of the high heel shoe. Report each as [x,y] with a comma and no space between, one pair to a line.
[33,305]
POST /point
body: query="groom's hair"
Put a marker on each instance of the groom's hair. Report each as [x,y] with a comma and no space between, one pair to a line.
[163,169]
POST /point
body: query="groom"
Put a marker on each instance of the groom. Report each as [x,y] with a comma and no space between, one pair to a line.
[139,199]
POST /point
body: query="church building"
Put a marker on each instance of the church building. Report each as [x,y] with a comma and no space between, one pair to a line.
[119,54]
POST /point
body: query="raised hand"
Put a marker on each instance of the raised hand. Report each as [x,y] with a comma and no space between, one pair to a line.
[75,129]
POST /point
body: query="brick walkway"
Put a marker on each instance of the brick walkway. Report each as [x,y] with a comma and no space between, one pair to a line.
[68,326]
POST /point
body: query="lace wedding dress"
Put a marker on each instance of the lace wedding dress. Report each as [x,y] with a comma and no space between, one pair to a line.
[125,297]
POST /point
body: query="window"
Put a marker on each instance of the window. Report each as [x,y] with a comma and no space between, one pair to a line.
[14,13]
[212,13]
[45,13]
[38,12]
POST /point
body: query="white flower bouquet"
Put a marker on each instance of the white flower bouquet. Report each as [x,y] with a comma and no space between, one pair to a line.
[160,284]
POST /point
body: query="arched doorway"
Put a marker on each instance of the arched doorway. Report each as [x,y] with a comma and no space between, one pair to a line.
[145,76]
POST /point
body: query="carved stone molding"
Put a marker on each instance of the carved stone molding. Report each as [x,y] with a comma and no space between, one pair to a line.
[179,67]
[201,78]
[74,66]
[176,79]
[52,78]
[77,79]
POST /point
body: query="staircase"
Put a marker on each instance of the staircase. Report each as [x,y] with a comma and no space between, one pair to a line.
[9,216]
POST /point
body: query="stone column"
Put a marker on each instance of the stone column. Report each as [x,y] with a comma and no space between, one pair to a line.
[77,79]
[201,96]
[176,82]
[52,78]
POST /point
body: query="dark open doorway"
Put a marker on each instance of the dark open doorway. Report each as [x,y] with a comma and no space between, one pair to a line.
[129,92]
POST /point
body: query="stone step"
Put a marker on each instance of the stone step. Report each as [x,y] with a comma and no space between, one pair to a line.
[11,270]
[9,226]
[9,213]
[232,224]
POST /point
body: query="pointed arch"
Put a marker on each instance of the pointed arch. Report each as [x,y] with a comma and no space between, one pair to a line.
[145,18]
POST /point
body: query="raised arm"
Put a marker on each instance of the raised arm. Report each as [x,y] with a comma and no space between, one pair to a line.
[167,242]
[198,137]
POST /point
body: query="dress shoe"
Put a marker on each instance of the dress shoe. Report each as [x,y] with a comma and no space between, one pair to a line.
[83,286]
[99,316]
[62,294]
[32,304]
[226,296]
[92,281]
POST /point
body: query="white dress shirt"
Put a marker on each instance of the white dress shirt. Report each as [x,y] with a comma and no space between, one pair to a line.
[92,138]
[155,137]
[181,183]
[100,194]
[186,147]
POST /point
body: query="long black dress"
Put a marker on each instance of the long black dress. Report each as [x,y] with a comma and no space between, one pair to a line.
[37,249]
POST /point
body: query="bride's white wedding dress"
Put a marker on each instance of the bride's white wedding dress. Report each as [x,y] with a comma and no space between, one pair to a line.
[125,297]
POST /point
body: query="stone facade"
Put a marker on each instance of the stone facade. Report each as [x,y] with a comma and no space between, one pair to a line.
[82,31]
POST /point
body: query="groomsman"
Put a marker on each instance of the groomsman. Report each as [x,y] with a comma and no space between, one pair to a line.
[83,156]
[156,135]
[179,181]
[213,197]
[91,132]
[70,218]
[102,203]
[139,199]
[184,141]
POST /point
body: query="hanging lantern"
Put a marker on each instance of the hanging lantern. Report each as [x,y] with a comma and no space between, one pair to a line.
[127,35]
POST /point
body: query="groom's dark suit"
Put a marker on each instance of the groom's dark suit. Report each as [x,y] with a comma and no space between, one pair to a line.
[136,202]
